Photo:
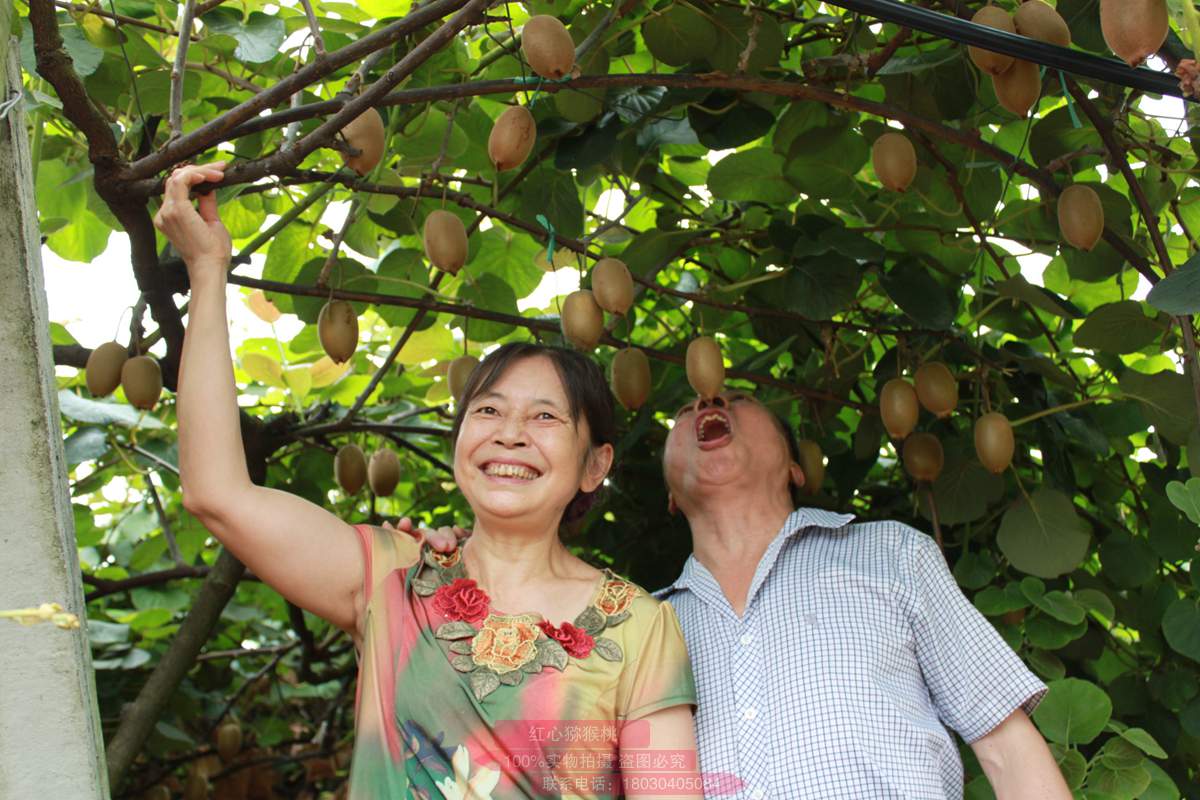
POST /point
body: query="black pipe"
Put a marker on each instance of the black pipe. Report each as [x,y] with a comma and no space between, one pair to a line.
[1050,55]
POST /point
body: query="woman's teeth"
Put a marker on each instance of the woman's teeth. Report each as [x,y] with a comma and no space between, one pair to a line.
[510,471]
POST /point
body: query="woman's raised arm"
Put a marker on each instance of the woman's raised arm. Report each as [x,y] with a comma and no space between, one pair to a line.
[304,552]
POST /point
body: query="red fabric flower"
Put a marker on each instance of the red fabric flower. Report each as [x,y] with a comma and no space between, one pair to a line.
[576,641]
[461,600]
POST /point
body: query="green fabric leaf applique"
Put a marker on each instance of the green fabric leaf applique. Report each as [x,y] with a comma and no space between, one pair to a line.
[455,630]
[591,620]
[608,649]
[484,682]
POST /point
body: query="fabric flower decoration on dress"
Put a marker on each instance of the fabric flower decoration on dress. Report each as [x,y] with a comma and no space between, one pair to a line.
[504,644]
[461,600]
[576,641]
[616,596]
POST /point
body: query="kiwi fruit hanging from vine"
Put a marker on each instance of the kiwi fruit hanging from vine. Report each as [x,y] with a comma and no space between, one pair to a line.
[582,320]
[1134,29]
[383,472]
[229,741]
[547,46]
[705,367]
[337,328]
[445,240]
[923,457]
[103,369]
[365,133]
[899,408]
[994,442]
[937,388]
[350,468]
[1038,20]
[1019,87]
[459,373]
[141,379]
[894,160]
[987,61]
[1080,216]
[630,377]
[512,137]
[612,285]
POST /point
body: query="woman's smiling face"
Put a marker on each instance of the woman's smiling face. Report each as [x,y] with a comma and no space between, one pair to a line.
[520,453]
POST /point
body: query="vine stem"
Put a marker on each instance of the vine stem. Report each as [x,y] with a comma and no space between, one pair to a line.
[1046,412]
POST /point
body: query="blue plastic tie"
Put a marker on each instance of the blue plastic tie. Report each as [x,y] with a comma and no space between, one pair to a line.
[1070,100]
[545,223]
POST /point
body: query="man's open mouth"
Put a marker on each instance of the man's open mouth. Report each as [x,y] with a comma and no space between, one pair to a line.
[500,469]
[712,425]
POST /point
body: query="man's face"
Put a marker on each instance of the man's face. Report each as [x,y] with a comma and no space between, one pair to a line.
[730,443]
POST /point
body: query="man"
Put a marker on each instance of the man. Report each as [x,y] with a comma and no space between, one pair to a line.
[830,656]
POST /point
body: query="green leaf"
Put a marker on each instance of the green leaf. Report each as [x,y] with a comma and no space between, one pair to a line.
[1143,741]
[1186,497]
[1129,782]
[1018,288]
[1181,627]
[490,292]
[1062,607]
[509,256]
[1043,535]
[455,630]
[258,37]
[385,9]
[819,288]
[608,649]
[650,251]
[750,175]
[1074,711]
[679,35]
[483,683]
[1118,328]
[1167,401]
[911,287]
[1161,787]
[103,413]
[1178,294]
[553,193]
[591,619]
[733,37]
[85,444]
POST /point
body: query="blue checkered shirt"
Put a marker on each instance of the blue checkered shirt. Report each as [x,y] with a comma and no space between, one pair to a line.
[856,650]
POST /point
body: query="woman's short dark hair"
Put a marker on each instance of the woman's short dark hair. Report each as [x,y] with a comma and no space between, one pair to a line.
[588,398]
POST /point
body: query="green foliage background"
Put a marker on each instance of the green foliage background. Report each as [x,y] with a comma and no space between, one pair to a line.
[752,213]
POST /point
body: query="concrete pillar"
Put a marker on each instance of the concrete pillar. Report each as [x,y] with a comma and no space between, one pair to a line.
[51,743]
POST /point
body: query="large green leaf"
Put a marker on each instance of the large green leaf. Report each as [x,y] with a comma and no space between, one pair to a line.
[679,34]
[100,412]
[1044,535]
[1119,328]
[750,175]
[912,288]
[258,36]
[821,287]
[1178,294]
[1181,627]
[1073,711]
[1167,402]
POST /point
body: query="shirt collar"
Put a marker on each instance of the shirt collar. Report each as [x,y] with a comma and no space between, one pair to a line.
[799,521]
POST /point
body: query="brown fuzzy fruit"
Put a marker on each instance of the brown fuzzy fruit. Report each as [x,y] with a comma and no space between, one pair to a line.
[612,285]
[812,462]
[582,320]
[337,328]
[1019,87]
[364,133]
[1134,29]
[937,389]
[196,787]
[141,379]
[512,137]
[895,161]
[986,60]
[705,367]
[445,241]
[350,468]
[994,443]
[383,473]
[103,368]
[1080,216]
[547,46]
[229,741]
[1037,20]
[630,377]
[459,373]
[923,456]
[899,408]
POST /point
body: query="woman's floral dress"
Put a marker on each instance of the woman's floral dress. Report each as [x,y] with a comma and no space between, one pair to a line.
[457,700]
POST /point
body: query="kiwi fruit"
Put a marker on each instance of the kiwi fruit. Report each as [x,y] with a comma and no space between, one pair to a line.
[899,408]
[350,468]
[923,456]
[1019,87]
[512,137]
[582,320]
[547,46]
[229,741]
[705,367]
[1040,21]
[1080,216]
[612,285]
[103,369]
[196,787]
[630,377]
[364,133]
[262,307]
[141,378]
[937,388]
[895,161]
[994,443]
[679,35]
[1134,29]
[445,241]
[986,60]
[383,473]
[337,328]
[812,463]
[459,373]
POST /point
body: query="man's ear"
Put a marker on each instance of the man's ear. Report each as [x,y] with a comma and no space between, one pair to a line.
[599,462]
[672,509]
[796,474]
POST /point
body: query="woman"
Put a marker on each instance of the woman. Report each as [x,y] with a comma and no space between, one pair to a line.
[506,668]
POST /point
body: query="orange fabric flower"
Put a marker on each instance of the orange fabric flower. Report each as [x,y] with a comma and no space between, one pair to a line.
[616,596]
[505,643]
[447,560]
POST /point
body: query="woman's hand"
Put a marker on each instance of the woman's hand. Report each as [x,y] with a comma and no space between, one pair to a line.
[199,236]
[444,539]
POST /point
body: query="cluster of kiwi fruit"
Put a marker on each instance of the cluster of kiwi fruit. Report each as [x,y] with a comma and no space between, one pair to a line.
[109,366]
[935,388]
[352,470]
[1018,83]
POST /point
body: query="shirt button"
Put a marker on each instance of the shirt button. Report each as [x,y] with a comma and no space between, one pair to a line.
[757,794]
[746,638]
[750,713]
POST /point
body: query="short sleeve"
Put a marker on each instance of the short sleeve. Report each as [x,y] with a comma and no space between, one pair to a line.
[384,551]
[975,679]
[658,674]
